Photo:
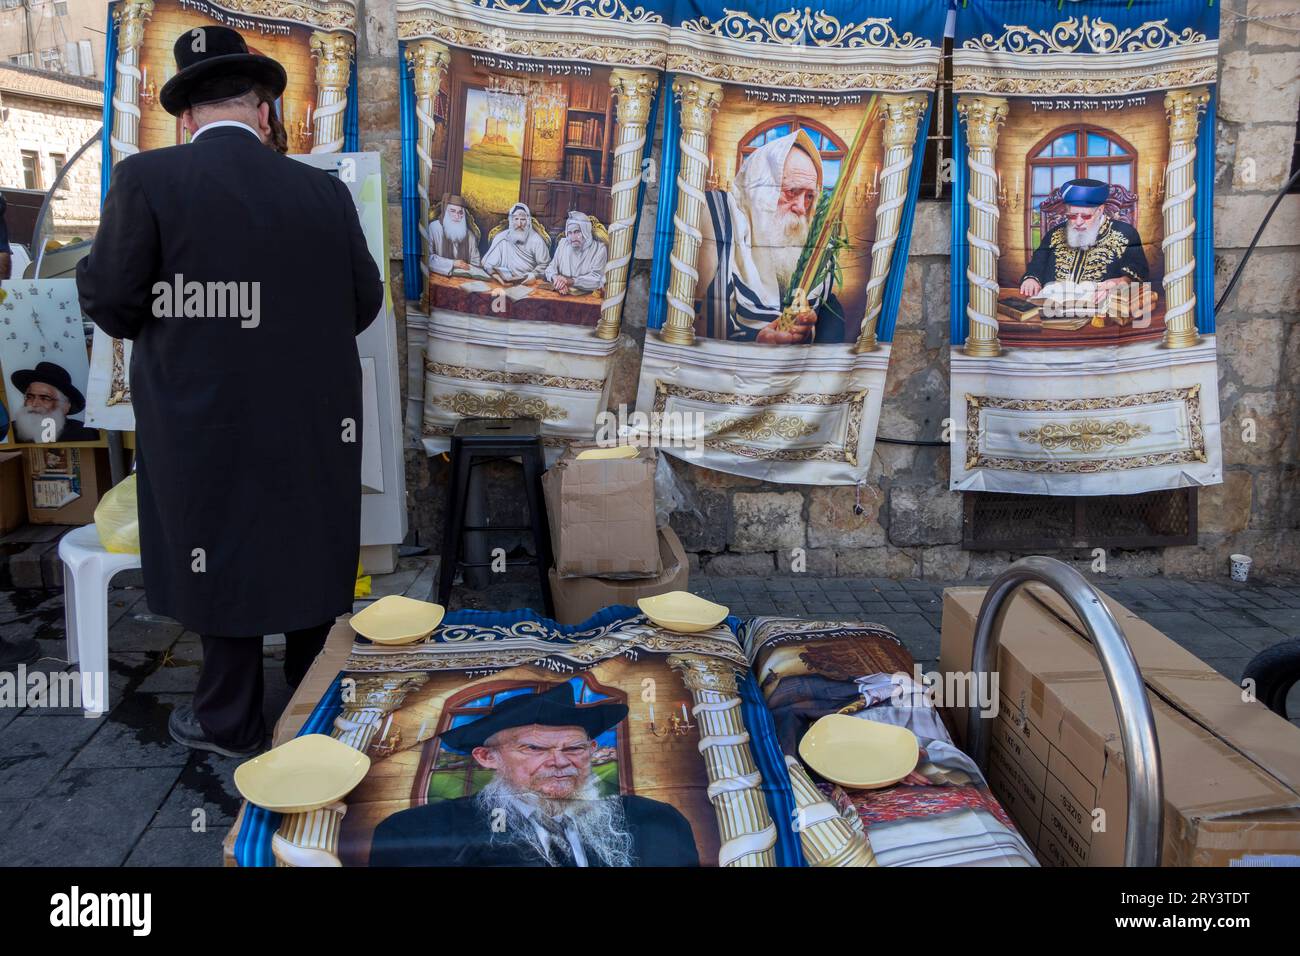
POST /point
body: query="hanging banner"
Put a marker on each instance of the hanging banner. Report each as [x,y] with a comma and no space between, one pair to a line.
[1083,347]
[525,134]
[314,40]
[793,142]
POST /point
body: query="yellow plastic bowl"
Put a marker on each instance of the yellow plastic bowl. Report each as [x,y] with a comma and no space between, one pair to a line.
[617,453]
[398,620]
[683,612]
[857,753]
[304,774]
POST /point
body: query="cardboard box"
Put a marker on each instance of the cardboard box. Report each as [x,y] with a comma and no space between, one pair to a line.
[63,484]
[13,503]
[1231,768]
[602,516]
[577,599]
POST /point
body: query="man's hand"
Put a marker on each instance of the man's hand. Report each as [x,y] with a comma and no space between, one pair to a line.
[804,323]
[562,283]
[460,265]
[1030,286]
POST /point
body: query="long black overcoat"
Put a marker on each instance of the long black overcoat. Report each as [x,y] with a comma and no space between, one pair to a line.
[248,426]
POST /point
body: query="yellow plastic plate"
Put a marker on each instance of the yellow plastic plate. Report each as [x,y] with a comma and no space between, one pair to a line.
[398,620]
[683,612]
[857,753]
[304,774]
[616,453]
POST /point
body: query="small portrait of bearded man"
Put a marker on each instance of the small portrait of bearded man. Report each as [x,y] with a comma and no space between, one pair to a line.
[544,805]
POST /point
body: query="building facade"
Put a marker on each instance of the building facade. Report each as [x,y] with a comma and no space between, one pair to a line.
[44,119]
[59,36]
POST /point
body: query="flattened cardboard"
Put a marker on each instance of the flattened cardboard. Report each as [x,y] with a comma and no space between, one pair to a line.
[577,599]
[90,466]
[602,516]
[1057,762]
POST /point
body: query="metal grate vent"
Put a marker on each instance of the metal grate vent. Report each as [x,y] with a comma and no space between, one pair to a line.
[1003,522]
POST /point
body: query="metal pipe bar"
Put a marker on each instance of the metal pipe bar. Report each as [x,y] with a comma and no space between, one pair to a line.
[1144,836]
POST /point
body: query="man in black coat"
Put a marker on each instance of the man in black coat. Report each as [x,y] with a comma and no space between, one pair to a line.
[543,806]
[242,278]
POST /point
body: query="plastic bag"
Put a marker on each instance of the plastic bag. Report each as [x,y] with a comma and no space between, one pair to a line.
[362,587]
[117,519]
[670,494]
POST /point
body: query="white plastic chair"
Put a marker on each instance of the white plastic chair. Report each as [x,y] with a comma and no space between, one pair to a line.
[87,570]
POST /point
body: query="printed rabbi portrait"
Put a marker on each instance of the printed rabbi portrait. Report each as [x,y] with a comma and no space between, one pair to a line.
[754,236]
[543,805]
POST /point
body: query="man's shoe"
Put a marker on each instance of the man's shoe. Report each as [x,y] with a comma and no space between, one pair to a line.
[188,732]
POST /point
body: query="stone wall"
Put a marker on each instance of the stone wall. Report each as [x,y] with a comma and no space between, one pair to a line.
[910,524]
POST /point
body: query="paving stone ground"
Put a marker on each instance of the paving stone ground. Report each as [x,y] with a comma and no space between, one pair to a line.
[117,791]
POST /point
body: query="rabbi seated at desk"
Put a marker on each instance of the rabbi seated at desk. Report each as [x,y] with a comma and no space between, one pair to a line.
[453,238]
[1088,246]
[518,252]
[579,263]
[543,806]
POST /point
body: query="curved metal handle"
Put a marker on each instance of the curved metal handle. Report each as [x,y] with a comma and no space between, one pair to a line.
[1144,837]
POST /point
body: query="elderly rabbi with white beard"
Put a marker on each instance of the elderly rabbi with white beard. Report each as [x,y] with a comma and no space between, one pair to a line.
[49,397]
[753,236]
[453,238]
[1088,246]
[543,806]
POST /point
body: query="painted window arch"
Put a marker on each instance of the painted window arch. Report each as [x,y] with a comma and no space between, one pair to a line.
[446,774]
[1078,151]
[830,146]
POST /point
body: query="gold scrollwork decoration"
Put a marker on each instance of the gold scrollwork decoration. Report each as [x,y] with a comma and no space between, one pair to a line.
[1089,434]
[1087,35]
[797,27]
[615,10]
[765,425]
[499,405]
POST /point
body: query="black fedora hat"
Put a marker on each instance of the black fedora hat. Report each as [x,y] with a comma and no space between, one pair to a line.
[550,708]
[50,374]
[215,65]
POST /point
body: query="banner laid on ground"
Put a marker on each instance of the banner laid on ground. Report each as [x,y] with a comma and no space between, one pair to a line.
[793,141]
[1083,347]
[314,40]
[525,130]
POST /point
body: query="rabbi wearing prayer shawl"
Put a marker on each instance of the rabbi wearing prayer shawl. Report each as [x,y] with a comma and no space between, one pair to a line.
[518,253]
[1087,246]
[579,263]
[753,235]
[543,805]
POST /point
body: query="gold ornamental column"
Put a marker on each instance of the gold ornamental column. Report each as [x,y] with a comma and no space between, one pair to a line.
[333,54]
[826,838]
[983,116]
[312,839]
[428,60]
[748,833]
[902,112]
[1183,108]
[633,94]
[699,102]
[124,138]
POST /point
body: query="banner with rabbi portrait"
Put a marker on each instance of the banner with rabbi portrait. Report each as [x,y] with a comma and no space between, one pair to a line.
[314,40]
[1083,346]
[525,132]
[507,740]
[792,149]
[43,358]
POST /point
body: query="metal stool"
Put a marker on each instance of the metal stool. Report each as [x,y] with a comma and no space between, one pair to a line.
[476,441]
